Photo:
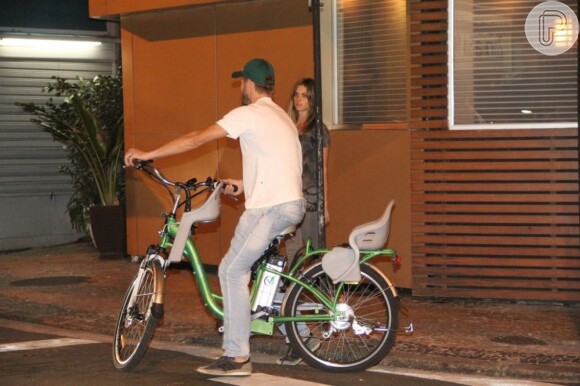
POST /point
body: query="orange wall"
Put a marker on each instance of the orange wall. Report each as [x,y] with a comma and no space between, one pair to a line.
[368,168]
[177,66]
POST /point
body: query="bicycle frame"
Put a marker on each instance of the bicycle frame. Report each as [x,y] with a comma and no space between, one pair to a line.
[176,236]
[175,231]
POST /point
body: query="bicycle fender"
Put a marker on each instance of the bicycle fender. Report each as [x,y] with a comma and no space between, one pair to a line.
[157,264]
[391,285]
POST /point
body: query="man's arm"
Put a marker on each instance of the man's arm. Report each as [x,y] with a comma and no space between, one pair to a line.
[179,145]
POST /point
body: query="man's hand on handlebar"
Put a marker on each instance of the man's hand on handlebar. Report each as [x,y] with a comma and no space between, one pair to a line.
[133,155]
[233,187]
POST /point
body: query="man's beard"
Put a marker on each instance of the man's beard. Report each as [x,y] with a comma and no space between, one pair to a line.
[245,97]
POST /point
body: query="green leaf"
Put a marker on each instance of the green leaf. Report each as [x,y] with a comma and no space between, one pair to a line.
[87,117]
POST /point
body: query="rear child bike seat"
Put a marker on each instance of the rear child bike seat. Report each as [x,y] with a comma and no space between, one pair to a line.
[342,263]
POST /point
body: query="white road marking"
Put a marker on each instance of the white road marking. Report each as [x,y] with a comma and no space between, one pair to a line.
[47,343]
[468,380]
[264,379]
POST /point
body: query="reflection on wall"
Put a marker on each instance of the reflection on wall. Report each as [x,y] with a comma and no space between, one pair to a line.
[371,46]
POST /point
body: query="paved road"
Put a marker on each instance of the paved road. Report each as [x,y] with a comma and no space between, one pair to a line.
[47,359]
[35,355]
[72,288]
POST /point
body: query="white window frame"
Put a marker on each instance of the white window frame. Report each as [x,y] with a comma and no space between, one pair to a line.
[451,93]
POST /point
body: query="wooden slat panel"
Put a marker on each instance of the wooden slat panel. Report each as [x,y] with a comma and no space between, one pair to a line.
[431,81]
[494,212]
[496,219]
[513,240]
[465,155]
[498,272]
[494,198]
[500,262]
[505,283]
[506,143]
[432,102]
[435,70]
[430,16]
[428,5]
[484,251]
[431,125]
[417,50]
[521,294]
[543,230]
[428,38]
[428,27]
[496,165]
[520,176]
[497,134]
[431,113]
[534,187]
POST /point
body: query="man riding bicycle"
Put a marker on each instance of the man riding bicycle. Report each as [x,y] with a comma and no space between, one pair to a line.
[272,185]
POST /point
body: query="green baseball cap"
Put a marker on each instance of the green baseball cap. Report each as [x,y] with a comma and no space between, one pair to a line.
[259,70]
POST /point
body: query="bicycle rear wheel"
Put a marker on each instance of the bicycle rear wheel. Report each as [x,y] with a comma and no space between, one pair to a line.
[136,322]
[362,335]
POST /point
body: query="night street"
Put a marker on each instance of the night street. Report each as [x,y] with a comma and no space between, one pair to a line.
[46,359]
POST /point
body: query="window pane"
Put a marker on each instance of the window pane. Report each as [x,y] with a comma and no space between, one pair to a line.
[499,78]
[371,42]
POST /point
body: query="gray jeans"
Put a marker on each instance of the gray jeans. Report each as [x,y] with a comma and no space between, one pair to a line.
[254,232]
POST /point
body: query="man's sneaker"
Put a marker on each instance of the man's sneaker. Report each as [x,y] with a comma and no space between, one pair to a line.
[227,367]
[292,358]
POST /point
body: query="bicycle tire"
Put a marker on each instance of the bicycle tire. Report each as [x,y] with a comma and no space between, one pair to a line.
[373,306]
[136,323]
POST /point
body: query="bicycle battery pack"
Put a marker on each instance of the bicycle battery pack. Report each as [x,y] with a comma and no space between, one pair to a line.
[269,283]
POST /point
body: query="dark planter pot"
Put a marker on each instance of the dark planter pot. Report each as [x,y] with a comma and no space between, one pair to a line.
[108,230]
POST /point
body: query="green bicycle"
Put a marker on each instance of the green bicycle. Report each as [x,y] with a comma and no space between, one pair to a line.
[352,311]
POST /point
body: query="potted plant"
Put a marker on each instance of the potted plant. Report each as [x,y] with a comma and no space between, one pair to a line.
[87,119]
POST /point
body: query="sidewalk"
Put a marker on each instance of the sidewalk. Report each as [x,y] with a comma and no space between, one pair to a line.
[71,287]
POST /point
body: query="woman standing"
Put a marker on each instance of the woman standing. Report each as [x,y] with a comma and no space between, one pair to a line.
[302,111]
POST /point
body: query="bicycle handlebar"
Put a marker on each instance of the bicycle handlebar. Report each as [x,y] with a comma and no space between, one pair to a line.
[147,166]
[192,184]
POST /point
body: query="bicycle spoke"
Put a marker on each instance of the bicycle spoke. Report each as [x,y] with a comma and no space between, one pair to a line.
[351,341]
[136,323]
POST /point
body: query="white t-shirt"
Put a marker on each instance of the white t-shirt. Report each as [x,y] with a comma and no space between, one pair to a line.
[271,152]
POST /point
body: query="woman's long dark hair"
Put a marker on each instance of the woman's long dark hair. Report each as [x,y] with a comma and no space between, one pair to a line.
[309,84]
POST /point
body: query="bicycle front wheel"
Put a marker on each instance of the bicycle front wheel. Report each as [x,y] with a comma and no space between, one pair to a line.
[136,322]
[365,328]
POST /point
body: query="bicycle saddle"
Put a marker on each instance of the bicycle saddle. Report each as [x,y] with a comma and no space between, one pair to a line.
[342,263]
